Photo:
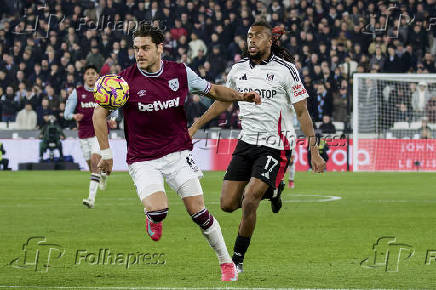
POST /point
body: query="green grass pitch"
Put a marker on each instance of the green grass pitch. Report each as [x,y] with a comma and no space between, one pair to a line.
[309,244]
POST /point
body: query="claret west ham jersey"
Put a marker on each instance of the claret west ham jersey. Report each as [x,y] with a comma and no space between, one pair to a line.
[154,117]
[278,83]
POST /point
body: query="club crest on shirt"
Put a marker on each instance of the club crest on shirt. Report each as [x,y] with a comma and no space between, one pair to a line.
[174,84]
[83,96]
[269,77]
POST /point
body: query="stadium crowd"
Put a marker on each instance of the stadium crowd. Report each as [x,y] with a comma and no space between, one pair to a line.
[46,44]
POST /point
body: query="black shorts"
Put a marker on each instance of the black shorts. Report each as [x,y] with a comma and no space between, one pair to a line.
[262,162]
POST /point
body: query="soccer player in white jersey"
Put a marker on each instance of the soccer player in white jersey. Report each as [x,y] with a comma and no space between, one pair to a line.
[267,138]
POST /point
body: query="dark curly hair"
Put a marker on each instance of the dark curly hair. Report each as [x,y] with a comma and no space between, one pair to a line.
[276,33]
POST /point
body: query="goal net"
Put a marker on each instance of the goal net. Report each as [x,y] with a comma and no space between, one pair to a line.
[394,122]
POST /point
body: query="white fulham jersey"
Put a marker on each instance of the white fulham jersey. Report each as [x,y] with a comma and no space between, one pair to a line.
[278,83]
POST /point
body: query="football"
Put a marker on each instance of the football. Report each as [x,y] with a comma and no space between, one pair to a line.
[111,91]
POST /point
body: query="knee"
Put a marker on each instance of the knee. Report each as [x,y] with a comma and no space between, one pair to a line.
[228,206]
[251,201]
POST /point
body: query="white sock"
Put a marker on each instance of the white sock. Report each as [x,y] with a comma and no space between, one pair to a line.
[93,185]
[216,241]
[103,175]
[292,171]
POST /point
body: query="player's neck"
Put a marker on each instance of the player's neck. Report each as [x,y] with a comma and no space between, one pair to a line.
[263,59]
[89,88]
[153,68]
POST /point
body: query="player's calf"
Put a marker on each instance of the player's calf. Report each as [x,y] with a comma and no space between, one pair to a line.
[212,232]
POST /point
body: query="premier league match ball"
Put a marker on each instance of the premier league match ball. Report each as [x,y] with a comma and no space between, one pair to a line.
[111,91]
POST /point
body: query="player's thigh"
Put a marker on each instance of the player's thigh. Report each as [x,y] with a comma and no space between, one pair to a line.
[255,190]
[270,166]
[149,185]
[94,146]
[85,146]
[182,173]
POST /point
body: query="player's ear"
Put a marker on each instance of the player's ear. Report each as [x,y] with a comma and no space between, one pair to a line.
[160,48]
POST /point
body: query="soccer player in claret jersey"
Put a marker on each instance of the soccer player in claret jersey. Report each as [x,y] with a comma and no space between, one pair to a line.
[262,154]
[80,107]
[158,142]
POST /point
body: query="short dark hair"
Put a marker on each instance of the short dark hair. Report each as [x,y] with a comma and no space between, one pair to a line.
[147,30]
[90,66]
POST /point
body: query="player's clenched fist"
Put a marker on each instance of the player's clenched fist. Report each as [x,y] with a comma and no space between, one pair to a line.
[105,165]
[252,97]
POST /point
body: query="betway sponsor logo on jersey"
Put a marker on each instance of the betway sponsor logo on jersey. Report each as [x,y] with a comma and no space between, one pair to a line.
[88,104]
[159,105]
[264,93]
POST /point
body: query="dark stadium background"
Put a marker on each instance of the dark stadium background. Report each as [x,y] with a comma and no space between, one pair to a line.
[46,44]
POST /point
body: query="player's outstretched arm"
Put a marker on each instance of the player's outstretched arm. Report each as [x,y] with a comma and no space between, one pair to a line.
[318,163]
[222,93]
[101,131]
[214,111]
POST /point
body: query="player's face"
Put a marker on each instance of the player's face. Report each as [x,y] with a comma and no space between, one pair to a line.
[147,53]
[90,77]
[259,42]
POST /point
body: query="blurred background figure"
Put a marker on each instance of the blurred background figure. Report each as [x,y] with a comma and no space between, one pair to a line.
[4,162]
[26,118]
[51,135]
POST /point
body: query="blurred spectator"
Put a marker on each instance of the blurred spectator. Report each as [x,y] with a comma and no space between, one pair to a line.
[323,103]
[340,105]
[392,63]
[95,58]
[431,110]
[194,109]
[26,118]
[195,45]
[9,105]
[327,126]
[178,30]
[420,97]
[217,62]
[198,60]
[402,113]
[425,130]
[43,112]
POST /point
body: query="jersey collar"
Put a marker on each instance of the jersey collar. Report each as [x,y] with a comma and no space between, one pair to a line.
[88,88]
[263,62]
[154,74]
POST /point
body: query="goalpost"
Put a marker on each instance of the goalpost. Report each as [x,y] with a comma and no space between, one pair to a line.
[394,122]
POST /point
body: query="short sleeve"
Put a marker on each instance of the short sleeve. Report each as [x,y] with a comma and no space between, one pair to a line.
[196,84]
[294,86]
[230,81]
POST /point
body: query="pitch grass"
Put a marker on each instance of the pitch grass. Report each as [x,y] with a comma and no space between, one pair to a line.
[308,244]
